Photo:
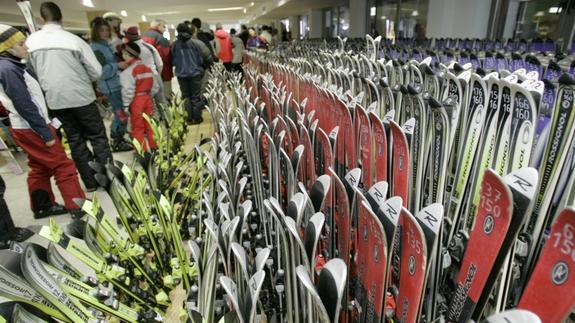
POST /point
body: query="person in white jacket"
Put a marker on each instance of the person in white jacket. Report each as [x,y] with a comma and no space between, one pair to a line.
[66,68]
[150,57]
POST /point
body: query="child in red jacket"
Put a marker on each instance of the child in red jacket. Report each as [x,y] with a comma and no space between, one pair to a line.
[138,88]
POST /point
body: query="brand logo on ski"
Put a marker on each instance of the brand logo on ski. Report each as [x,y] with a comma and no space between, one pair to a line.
[488,224]
[411,265]
[560,273]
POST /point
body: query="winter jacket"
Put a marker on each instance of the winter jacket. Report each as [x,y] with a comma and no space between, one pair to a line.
[150,56]
[266,34]
[109,82]
[224,46]
[190,56]
[244,36]
[137,79]
[21,95]
[238,49]
[155,38]
[207,39]
[65,66]
[257,42]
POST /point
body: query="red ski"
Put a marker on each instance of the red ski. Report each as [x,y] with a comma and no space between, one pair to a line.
[400,163]
[379,149]
[491,225]
[412,269]
[371,261]
[307,171]
[363,141]
[550,292]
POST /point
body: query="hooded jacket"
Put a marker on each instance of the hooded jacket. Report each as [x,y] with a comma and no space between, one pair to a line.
[155,38]
[224,46]
[21,95]
[190,56]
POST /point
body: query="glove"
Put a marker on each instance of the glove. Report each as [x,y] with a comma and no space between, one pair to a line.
[122,115]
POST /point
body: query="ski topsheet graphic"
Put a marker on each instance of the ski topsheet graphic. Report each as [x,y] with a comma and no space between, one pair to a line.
[550,292]
[492,223]
[345,181]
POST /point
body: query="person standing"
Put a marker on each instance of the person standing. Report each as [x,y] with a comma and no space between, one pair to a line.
[256,41]
[266,34]
[115,23]
[149,56]
[244,35]
[66,68]
[155,37]
[22,96]
[224,47]
[191,57]
[238,52]
[205,36]
[109,83]
[138,87]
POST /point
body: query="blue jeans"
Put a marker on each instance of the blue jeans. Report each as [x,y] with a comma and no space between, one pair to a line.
[117,128]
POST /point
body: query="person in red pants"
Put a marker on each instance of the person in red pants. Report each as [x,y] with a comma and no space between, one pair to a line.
[22,96]
[138,88]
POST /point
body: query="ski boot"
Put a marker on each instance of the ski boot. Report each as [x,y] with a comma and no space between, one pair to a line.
[120,144]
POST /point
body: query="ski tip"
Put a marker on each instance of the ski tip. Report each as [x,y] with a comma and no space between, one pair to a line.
[325,181]
[353,176]
[412,90]
[513,316]
[523,180]
[433,103]
[566,79]
[431,216]
[409,125]
[317,219]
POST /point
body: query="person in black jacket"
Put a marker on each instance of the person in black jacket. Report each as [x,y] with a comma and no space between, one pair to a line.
[205,37]
[190,58]
[244,35]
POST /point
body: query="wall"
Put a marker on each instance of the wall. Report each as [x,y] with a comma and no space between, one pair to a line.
[458,18]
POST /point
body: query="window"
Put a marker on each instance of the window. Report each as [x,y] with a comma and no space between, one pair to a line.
[405,19]
[303,27]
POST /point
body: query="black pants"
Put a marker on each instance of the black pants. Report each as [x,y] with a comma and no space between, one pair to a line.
[6,223]
[229,66]
[81,125]
[191,88]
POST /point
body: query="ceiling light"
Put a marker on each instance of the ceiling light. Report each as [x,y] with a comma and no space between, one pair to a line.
[245,10]
[124,13]
[225,9]
[372,11]
[144,18]
[555,9]
[162,13]
[252,4]
[415,13]
[88,3]
[383,17]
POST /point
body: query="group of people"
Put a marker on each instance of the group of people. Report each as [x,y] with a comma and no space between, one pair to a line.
[54,79]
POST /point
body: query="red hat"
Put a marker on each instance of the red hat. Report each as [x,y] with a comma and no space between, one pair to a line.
[132,33]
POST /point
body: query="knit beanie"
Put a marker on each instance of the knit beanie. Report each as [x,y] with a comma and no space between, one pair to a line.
[132,33]
[9,36]
[132,48]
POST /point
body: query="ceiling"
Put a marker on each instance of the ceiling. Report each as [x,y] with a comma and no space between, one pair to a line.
[173,11]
